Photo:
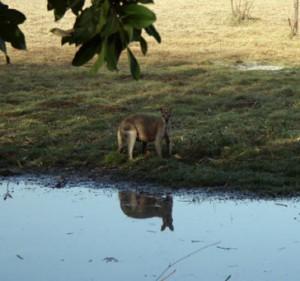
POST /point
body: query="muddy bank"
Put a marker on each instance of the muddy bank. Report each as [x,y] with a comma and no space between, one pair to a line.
[60,177]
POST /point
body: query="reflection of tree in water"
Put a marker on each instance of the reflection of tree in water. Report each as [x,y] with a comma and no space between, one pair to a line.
[142,206]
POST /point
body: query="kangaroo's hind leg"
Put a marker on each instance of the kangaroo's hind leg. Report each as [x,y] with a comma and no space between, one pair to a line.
[144,147]
[158,146]
[169,144]
[131,139]
[120,141]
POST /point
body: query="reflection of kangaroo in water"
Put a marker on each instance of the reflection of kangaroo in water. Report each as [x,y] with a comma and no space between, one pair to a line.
[141,206]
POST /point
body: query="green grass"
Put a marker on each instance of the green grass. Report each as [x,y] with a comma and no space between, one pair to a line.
[232,129]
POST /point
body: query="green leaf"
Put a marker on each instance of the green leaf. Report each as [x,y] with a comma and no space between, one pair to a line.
[145,1]
[144,45]
[59,7]
[4,50]
[113,51]
[111,56]
[134,65]
[76,6]
[129,32]
[85,18]
[104,8]
[13,34]
[67,39]
[3,6]
[137,16]
[136,35]
[85,26]
[87,51]
[11,16]
[101,58]
[151,30]
[111,26]
[19,40]
[115,23]
[3,46]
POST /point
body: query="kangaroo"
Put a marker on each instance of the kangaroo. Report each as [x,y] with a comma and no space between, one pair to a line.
[145,128]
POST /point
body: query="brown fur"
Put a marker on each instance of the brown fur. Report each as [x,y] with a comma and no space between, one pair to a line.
[145,128]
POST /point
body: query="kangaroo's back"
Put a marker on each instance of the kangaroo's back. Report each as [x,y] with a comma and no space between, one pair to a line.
[146,126]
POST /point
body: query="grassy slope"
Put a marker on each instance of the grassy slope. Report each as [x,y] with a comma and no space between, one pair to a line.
[231,128]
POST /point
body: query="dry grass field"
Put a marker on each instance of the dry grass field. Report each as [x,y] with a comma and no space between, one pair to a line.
[194,30]
[231,128]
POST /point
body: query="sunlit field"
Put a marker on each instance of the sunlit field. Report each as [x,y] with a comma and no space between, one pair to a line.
[196,30]
[231,128]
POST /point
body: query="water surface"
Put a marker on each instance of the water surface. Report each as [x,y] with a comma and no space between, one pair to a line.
[97,232]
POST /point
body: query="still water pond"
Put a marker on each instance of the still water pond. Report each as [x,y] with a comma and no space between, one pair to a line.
[98,232]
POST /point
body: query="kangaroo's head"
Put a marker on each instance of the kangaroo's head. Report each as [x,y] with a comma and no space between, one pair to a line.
[166,113]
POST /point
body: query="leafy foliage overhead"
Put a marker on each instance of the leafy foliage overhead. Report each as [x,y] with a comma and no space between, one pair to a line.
[10,19]
[105,29]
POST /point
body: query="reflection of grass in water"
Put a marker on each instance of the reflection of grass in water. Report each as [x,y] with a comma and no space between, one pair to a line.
[231,128]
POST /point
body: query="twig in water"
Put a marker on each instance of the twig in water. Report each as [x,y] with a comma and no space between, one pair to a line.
[281,204]
[161,276]
[169,275]
[196,241]
[226,248]
[19,257]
